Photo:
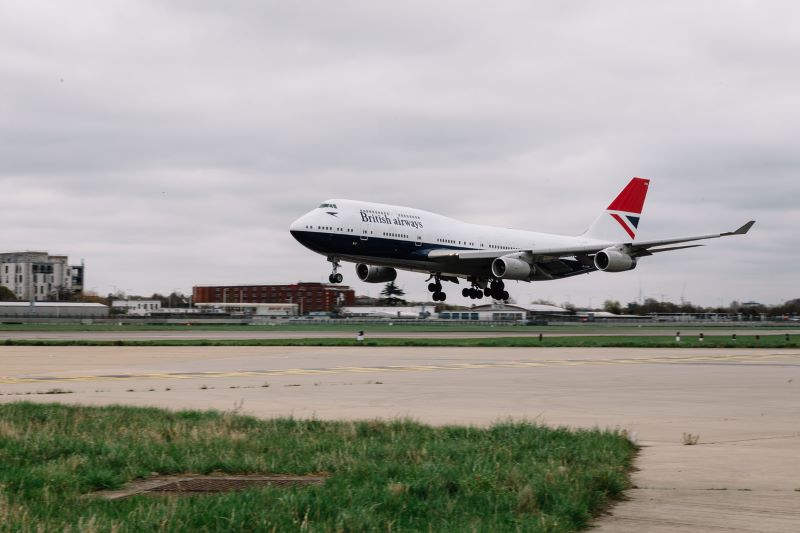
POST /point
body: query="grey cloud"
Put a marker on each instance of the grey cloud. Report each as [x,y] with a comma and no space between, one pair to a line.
[184,137]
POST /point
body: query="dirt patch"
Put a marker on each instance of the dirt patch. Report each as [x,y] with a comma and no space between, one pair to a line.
[190,484]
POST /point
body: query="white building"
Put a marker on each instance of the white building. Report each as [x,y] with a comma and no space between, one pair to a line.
[136,307]
[503,312]
[386,311]
[38,276]
[254,309]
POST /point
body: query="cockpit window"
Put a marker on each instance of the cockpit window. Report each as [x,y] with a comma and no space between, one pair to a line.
[329,206]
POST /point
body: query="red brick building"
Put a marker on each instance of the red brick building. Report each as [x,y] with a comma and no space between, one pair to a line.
[310,297]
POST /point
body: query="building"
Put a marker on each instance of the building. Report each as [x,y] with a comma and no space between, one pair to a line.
[261,309]
[136,307]
[385,311]
[309,297]
[39,276]
[504,312]
[52,310]
[495,311]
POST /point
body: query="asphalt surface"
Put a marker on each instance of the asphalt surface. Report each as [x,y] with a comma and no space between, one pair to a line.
[743,405]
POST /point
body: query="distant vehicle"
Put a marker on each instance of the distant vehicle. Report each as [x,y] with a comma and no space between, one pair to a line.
[381,238]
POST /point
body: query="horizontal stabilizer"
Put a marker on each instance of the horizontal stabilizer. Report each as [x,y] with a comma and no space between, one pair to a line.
[671,248]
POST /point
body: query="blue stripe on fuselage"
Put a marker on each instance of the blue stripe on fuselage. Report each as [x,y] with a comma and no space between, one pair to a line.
[382,247]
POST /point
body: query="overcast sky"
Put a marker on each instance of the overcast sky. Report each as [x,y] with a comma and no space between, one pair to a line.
[172,143]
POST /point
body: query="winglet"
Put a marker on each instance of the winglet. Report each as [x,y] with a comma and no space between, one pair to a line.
[741,231]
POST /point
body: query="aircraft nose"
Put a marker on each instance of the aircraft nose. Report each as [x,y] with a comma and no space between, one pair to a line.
[299,224]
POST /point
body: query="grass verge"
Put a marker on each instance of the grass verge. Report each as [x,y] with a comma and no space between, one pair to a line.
[387,476]
[400,326]
[600,341]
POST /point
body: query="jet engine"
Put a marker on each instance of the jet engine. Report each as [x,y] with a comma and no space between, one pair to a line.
[612,260]
[511,268]
[375,274]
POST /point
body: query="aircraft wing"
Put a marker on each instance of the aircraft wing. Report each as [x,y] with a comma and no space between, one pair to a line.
[635,249]
[649,247]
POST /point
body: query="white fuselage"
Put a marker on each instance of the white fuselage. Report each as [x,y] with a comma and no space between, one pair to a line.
[402,237]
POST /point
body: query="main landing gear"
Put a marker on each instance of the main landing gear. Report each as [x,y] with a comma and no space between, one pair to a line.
[497,290]
[475,292]
[335,277]
[436,288]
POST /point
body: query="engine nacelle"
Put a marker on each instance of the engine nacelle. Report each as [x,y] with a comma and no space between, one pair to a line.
[375,274]
[612,260]
[510,268]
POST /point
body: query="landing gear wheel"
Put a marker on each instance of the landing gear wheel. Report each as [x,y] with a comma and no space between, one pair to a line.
[497,290]
[465,292]
[436,288]
[335,277]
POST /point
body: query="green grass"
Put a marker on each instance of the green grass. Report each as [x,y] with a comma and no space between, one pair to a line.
[383,476]
[600,341]
[397,326]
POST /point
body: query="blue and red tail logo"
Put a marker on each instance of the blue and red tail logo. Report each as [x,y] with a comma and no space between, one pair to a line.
[626,208]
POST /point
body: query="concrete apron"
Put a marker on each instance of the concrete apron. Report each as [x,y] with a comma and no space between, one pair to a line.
[747,485]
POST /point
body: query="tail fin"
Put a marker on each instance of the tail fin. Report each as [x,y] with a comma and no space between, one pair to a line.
[620,220]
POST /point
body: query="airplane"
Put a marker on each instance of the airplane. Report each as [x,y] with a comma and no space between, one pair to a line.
[382,238]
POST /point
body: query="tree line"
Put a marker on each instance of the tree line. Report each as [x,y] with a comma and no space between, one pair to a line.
[650,306]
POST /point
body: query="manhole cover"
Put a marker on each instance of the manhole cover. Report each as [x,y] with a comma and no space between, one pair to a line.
[188,484]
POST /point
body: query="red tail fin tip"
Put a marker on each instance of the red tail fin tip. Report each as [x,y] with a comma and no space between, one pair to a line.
[631,199]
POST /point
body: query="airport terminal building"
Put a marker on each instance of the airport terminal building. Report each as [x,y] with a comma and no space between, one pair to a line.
[309,297]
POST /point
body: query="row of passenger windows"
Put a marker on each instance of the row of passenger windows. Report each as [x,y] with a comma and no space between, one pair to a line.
[453,241]
[402,215]
[329,206]
[331,228]
[465,243]
[403,236]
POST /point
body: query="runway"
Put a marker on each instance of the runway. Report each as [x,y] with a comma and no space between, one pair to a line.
[743,474]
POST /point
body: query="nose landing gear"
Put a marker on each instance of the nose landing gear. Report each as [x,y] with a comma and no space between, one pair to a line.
[335,277]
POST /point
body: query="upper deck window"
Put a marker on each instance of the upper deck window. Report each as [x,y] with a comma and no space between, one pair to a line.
[329,206]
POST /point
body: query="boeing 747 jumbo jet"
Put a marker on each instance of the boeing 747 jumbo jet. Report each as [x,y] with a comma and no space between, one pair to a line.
[381,238]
